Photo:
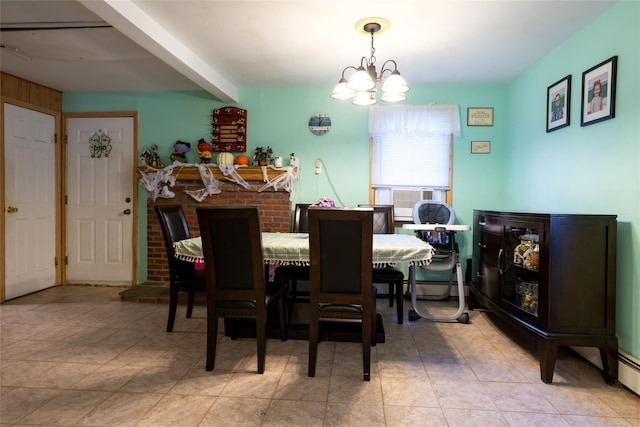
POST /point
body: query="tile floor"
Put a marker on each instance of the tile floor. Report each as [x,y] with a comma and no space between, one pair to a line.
[79,356]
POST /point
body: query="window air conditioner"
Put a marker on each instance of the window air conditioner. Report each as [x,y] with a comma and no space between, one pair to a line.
[403,201]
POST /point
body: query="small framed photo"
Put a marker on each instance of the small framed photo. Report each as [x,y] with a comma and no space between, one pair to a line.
[480,116]
[559,104]
[599,92]
[480,147]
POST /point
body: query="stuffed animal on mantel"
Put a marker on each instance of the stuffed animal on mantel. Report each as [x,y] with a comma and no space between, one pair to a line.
[180,150]
[262,156]
[204,151]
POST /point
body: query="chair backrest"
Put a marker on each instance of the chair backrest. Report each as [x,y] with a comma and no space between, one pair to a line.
[340,251]
[436,212]
[232,250]
[433,212]
[301,218]
[382,218]
[174,228]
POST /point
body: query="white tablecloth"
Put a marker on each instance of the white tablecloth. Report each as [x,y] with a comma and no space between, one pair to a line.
[293,249]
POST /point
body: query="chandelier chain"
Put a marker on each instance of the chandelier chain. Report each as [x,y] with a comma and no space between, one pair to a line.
[372,59]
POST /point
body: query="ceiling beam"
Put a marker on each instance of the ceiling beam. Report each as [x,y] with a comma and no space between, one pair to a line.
[127,18]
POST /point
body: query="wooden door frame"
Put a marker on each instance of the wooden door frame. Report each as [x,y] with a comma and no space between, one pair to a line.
[134,231]
[58,188]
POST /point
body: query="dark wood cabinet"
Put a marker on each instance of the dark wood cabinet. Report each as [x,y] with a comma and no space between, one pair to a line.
[553,275]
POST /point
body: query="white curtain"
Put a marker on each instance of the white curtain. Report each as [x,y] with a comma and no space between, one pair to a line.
[414,120]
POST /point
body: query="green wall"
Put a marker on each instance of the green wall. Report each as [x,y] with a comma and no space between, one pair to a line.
[591,169]
[584,170]
[279,118]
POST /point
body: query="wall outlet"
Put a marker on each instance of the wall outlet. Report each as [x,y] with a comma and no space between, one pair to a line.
[318,167]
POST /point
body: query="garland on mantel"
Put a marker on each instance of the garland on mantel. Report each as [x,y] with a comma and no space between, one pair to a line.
[156,182]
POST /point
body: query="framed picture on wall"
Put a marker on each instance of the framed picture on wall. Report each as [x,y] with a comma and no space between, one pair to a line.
[559,104]
[480,116]
[599,92]
[480,147]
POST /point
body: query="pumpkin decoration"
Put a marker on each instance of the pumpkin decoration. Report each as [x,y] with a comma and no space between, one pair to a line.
[225,158]
[241,159]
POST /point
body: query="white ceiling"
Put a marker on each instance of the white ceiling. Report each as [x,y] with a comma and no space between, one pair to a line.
[220,46]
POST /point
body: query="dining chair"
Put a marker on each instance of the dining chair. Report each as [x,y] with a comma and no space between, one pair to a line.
[183,277]
[340,253]
[293,273]
[301,218]
[236,275]
[383,224]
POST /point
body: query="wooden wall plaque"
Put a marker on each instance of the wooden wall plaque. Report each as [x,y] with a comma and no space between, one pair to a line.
[229,129]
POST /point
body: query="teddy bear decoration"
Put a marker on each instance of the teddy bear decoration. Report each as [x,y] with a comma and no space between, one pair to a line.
[180,150]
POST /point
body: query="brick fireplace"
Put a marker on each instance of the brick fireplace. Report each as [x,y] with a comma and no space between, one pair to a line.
[274,208]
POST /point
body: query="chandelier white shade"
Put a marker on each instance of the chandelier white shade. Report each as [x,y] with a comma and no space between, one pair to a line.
[362,84]
[393,97]
[342,91]
[364,97]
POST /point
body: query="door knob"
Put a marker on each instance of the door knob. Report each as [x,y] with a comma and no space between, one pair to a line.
[127,212]
[12,209]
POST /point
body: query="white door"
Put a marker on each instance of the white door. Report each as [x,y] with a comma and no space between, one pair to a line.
[30,191]
[100,200]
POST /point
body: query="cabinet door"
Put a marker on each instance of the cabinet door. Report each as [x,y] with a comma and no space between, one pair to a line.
[487,279]
[487,238]
[523,291]
[582,276]
[487,244]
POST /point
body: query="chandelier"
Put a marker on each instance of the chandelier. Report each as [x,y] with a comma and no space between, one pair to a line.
[362,85]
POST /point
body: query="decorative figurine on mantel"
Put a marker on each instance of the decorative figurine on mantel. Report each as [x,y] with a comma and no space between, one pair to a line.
[150,157]
[293,160]
[204,151]
[262,157]
[180,150]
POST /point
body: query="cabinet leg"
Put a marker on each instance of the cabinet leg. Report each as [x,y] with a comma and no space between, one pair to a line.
[548,350]
[471,301]
[609,356]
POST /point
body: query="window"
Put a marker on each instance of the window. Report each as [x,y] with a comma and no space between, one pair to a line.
[411,155]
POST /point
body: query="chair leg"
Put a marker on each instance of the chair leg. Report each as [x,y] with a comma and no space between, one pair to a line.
[283,319]
[366,345]
[374,322]
[399,301]
[261,337]
[391,286]
[190,301]
[313,341]
[173,307]
[232,328]
[212,340]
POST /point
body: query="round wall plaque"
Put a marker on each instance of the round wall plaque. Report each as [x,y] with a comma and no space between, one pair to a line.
[319,124]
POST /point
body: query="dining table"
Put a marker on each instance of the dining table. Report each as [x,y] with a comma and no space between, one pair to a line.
[284,249]
[292,249]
